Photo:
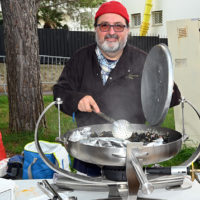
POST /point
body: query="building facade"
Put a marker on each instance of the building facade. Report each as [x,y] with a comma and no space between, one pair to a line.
[161,12]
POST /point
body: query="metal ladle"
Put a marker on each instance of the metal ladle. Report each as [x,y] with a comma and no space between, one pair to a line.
[121,128]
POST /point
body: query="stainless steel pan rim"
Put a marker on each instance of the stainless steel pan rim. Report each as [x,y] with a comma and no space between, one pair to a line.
[117,156]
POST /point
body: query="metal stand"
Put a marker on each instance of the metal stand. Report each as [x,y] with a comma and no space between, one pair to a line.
[136,178]
[134,172]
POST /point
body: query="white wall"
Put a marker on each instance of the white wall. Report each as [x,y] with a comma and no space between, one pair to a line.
[186,73]
[172,10]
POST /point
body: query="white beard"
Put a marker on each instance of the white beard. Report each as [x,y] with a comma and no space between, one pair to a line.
[107,47]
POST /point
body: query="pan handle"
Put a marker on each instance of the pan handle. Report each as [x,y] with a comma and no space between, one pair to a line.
[118,155]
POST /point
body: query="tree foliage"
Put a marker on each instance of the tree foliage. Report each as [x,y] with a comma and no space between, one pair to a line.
[52,12]
[52,17]
[74,3]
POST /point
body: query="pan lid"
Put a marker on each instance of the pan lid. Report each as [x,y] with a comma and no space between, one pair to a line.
[157,84]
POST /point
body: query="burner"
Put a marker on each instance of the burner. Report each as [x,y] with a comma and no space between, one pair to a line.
[114,173]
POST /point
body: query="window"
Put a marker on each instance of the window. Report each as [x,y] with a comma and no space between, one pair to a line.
[157,18]
[136,20]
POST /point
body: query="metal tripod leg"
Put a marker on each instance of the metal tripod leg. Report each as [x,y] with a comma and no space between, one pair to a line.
[133,183]
[134,173]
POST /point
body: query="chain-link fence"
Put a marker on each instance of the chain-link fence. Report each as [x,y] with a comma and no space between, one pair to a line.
[50,70]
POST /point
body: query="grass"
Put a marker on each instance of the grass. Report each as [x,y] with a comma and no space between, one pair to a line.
[4,120]
[169,120]
[14,142]
[183,155]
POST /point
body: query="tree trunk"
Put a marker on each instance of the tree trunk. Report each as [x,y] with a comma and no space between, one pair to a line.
[22,61]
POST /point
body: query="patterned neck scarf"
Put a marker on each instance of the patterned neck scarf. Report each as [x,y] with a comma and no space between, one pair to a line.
[106,66]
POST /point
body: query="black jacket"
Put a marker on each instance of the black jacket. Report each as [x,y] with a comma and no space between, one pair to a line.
[119,98]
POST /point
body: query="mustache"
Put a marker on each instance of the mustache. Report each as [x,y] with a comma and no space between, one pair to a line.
[111,36]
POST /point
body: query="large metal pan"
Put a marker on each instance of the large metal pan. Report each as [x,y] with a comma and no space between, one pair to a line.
[113,156]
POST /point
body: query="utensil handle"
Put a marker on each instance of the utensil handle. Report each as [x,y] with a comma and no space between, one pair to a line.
[105,117]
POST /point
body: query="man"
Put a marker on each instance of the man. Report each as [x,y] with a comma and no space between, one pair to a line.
[105,76]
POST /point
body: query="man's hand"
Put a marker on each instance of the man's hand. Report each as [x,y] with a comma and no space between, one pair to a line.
[88,104]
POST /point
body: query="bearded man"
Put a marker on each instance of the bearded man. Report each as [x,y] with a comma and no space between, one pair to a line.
[104,76]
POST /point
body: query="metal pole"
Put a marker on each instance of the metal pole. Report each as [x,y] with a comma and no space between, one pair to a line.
[58,102]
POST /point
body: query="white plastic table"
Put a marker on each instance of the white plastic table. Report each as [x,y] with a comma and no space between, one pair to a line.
[28,190]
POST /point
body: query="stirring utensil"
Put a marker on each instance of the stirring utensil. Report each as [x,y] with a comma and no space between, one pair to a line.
[121,128]
[105,117]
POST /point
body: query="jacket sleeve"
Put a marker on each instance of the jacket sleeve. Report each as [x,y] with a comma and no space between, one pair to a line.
[176,96]
[67,87]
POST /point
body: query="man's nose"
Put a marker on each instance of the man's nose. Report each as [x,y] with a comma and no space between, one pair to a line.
[111,31]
